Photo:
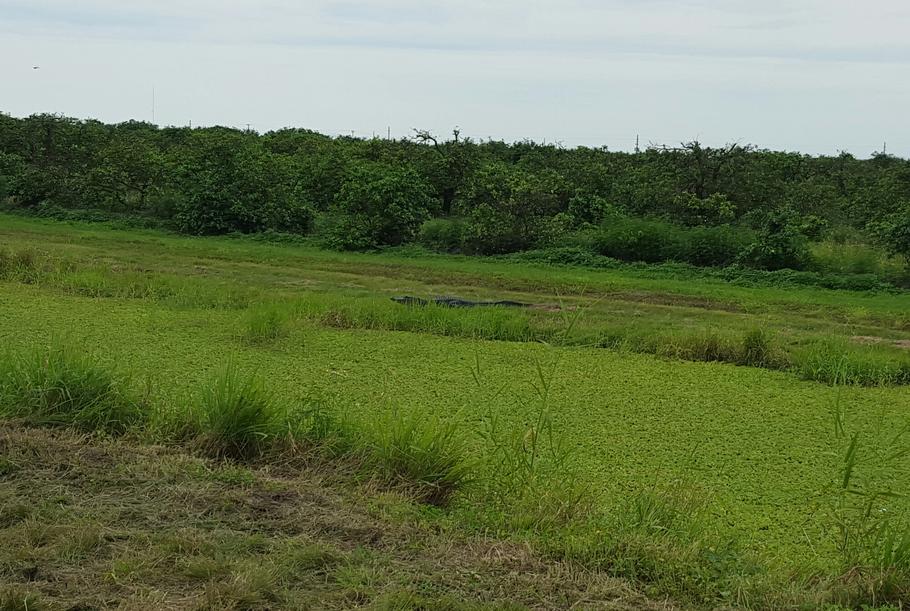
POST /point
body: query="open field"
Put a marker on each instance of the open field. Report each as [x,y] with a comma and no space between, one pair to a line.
[633,376]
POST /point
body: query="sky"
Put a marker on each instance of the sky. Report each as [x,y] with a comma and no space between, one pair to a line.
[815,76]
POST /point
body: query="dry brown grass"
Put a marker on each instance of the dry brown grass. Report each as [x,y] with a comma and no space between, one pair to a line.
[94,523]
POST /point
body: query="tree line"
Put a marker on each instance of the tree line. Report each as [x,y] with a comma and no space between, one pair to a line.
[691,203]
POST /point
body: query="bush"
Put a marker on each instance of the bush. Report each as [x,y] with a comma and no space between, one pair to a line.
[632,239]
[62,386]
[687,209]
[574,256]
[377,206]
[509,208]
[780,244]
[442,235]
[654,241]
[712,246]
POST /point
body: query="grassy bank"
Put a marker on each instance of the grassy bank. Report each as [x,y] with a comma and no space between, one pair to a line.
[692,478]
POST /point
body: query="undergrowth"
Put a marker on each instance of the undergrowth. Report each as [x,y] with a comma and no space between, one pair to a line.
[63,386]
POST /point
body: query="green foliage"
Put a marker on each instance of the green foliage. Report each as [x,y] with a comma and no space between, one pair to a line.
[63,386]
[378,205]
[654,241]
[780,244]
[425,454]
[836,362]
[590,209]
[363,194]
[508,208]
[691,210]
[663,537]
[894,231]
[644,240]
[442,235]
[759,350]
[265,324]
[870,530]
[227,182]
[236,416]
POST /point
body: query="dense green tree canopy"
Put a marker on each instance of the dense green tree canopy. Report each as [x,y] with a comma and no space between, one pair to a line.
[482,197]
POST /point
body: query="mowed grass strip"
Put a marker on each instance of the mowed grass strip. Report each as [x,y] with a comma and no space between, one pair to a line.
[90,523]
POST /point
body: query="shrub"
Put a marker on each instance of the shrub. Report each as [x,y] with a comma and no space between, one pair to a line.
[779,244]
[443,235]
[236,416]
[712,246]
[509,208]
[894,231]
[691,210]
[654,241]
[423,453]
[62,386]
[631,239]
[377,206]
[574,256]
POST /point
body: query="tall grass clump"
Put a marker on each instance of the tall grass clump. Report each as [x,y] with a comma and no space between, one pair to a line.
[63,386]
[264,325]
[532,484]
[869,526]
[490,323]
[663,537]
[236,416]
[423,453]
[313,425]
[835,362]
[758,349]
[21,265]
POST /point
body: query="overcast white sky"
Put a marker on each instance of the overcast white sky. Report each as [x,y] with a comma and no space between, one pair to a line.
[816,76]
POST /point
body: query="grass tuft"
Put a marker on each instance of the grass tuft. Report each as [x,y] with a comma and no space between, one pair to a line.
[835,362]
[661,537]
[425,454]
[62,386]
[264,325]
[236,415]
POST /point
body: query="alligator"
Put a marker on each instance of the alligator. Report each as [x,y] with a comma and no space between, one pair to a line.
[456,302]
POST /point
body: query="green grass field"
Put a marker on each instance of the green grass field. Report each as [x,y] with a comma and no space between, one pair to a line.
[642,392]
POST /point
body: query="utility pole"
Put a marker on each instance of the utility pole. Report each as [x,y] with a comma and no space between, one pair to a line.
[388,133]
[637,149]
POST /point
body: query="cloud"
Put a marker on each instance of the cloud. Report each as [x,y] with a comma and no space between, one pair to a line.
[809,74]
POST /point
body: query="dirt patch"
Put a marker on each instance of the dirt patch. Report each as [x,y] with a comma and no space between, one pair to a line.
[904,344]
[673,299]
